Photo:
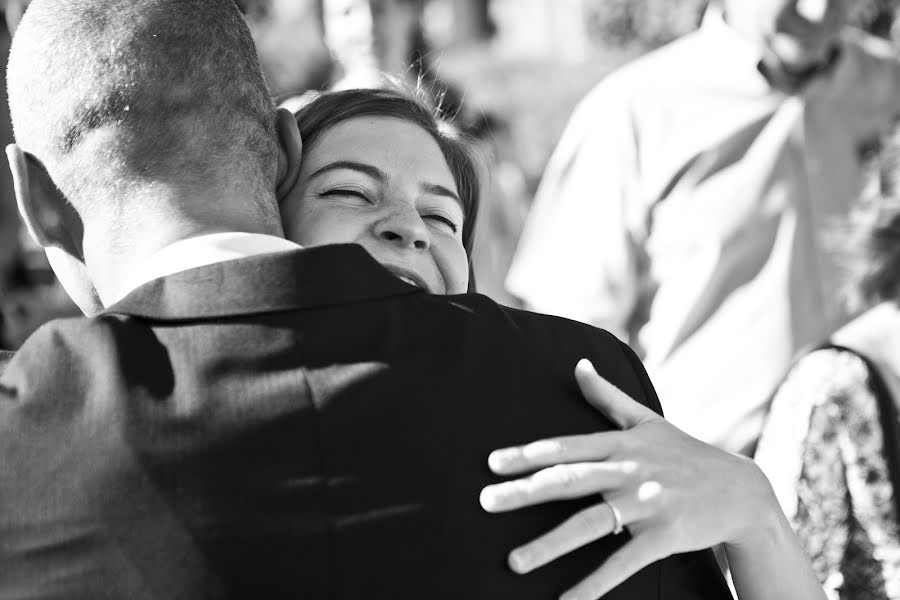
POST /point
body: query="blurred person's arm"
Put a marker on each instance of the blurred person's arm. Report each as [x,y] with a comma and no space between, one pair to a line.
[868,87]
[579,255]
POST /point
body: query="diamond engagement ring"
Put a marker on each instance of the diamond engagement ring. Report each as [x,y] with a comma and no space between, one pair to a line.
[618,525]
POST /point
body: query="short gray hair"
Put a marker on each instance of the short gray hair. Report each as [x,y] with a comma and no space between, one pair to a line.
[115,95]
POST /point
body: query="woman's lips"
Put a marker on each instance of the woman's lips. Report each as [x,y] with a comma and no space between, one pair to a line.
[408,276]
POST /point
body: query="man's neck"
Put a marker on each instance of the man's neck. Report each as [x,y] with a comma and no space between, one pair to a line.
[112,258]
[793,79]
[786,77]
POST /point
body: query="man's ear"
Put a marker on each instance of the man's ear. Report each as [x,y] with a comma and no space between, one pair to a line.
[290,150]
[50,219]
[55,225]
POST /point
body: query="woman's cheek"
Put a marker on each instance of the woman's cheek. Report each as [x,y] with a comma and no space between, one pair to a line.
[454,267]
[330,223]
[303,226]
[301,217]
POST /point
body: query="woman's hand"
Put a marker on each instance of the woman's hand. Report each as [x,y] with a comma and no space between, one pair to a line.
[674,493]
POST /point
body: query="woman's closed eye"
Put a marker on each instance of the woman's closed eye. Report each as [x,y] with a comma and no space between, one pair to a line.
[356,195]
[442,221]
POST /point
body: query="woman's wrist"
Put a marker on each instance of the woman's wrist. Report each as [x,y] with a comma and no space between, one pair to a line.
[767,561]
[760,521]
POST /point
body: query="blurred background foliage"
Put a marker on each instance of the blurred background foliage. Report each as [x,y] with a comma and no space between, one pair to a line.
[651,23]
[528,61]
[648,23]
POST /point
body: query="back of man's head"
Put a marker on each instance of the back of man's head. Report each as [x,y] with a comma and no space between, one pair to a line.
[115,97]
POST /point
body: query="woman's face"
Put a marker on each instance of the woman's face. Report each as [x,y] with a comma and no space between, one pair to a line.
[383,183]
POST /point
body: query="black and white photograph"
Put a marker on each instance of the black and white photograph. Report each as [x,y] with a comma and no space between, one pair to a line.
[450,300]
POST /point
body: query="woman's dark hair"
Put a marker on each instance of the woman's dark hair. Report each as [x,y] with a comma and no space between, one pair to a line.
[873,244]
[332,108]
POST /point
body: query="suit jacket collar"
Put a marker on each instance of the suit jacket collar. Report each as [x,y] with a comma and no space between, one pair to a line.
[305,278]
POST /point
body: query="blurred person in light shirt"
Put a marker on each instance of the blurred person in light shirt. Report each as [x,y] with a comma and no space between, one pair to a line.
[685,206]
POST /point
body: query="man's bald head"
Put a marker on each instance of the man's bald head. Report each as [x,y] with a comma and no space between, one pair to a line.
[116,96]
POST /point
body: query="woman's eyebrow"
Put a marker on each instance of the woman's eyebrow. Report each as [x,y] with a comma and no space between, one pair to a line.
[439,190]
[369,170]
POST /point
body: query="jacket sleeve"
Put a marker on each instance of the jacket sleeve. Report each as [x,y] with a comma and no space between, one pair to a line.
[39,458]
[79,516]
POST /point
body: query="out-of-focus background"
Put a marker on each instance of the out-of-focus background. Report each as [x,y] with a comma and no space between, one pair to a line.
[517,68]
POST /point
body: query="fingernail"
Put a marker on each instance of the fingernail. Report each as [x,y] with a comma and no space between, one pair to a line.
[519,562]
[488,499]
[499,459]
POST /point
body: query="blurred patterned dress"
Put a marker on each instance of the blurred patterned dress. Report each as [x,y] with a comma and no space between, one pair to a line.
[830,451]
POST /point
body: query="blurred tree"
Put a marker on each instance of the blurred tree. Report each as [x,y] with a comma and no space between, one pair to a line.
[650,23]
[472,20]
[647,23]
[288,36]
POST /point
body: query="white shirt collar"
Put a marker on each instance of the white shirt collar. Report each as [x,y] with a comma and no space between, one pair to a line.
[738,51]
[200,251]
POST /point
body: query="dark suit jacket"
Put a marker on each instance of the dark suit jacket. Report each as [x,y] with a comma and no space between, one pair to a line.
[297,425]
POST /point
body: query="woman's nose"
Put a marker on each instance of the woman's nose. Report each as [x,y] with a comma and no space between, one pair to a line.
[404,227]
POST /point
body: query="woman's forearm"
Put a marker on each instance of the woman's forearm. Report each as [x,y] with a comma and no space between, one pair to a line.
[769,563]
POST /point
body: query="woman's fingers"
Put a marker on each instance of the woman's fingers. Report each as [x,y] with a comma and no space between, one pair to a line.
[555,451]
[651,470]
[559,482]
[604,396]
[585,527]
[639,552]
[610,400]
